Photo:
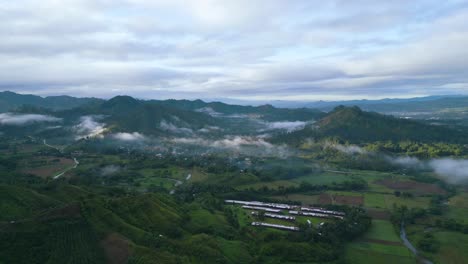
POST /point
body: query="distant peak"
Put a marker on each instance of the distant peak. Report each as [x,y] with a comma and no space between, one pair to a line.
[123,99]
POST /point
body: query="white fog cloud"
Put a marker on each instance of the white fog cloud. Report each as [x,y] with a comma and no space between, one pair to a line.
[25,119]
[170,127]
[135,136]
[242,144]
[288,126]
[89,127]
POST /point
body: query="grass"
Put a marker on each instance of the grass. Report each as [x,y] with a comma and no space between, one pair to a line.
[460,200]
[198,175]
[325,178]
[458,207]
[17,202]
[395,250]
[382,230]
[270,185]
[358,256]
[386,201]
[374,200]
[416,202]
[452,248]
[161,182]
[303,198]
[234,251]
[204,221]
[365,250]
[343,193]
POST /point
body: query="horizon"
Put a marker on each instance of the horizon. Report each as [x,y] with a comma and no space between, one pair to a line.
[247,101]
[270,50]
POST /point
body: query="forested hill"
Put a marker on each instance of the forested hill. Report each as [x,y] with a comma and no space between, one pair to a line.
[268,112]
[354,125]
[10,101]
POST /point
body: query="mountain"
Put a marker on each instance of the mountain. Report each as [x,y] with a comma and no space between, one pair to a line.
[266,112]
[417,104]
[355,125]
[125,113]
[10,101]
[437,104]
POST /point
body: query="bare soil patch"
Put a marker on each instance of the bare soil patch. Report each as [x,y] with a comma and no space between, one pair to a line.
[325,198]
[378,214]
[116,249]
[47,167]
[417,187]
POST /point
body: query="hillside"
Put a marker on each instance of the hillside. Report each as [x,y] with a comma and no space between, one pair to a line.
[127,114]
[354,125]
[267,112]
[10,101]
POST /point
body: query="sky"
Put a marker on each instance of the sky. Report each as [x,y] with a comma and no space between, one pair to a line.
[241,49]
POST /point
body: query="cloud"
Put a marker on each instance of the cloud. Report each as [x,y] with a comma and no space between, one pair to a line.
[240,144]
[110,170]
[89,127]
[288,126]
[405,161]
[348,149]
[209,111]
[252,50]
[167,126]
[453,170]
[25,119]
[209,129]
[135,136]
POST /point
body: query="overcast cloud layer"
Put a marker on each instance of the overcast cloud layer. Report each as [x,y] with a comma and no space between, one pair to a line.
[261,49]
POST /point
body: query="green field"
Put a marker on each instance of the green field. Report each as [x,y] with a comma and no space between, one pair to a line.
[270,185]
[381,240]
[382,230]
[303,198]
[386,201]
[452,247]
[360,256]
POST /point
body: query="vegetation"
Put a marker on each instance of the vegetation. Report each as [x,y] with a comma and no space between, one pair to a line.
[151,201]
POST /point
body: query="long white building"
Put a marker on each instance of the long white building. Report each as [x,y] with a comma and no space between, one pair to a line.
[256,203]
[284,227]
[315,214]
[277,216]
[261,208]
[321,210]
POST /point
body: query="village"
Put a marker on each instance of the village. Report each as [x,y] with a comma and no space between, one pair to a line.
[285,212]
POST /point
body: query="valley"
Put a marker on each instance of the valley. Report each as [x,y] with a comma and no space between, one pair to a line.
[177,181]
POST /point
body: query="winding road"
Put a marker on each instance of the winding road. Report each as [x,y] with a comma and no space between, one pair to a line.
[410,246]
[66,170]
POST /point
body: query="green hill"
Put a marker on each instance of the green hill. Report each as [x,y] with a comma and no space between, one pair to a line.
[125,113]
[10,101]
[354,125]
[266,112]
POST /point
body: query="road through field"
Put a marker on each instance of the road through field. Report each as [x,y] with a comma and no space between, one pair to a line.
[410,246]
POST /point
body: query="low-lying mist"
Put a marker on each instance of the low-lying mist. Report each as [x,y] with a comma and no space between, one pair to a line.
[15,119]
[450,169]
[89,127]
[246,145]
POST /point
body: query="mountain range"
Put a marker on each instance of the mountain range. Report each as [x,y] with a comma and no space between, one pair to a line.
[190,118]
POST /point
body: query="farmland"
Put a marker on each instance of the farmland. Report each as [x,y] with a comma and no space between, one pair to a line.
[130,204]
